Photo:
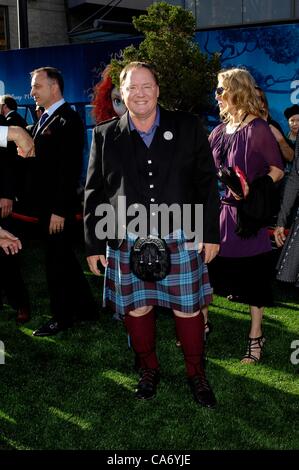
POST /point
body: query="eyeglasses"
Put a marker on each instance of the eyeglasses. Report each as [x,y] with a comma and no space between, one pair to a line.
[144,89]
[219,90]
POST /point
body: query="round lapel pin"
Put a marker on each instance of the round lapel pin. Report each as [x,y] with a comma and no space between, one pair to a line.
[168,135]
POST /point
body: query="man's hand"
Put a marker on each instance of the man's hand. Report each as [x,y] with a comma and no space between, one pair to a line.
[210,251]
[9,243]
[23,141]
[93,263]
[279,236]
[5,207]
[56,224]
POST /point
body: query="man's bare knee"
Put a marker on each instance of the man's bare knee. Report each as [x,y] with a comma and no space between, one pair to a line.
[185,315]
[140,312]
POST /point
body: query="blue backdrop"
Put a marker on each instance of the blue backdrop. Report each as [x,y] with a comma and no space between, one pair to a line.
[80,64]
[271,53]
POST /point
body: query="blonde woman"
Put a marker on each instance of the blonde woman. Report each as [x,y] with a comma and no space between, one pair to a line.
[244,139]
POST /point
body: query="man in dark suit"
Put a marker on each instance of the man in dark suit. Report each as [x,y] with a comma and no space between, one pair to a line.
[10,275]
[152,156]
[9,108]
[59,140]
[8,169]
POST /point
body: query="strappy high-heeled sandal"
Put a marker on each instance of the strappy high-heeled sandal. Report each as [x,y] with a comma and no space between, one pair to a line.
[254,344]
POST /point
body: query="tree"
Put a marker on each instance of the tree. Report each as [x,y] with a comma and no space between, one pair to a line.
[187,76]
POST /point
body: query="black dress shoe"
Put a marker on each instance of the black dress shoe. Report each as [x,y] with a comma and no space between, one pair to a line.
[147,385]
[202,391]
[50,328]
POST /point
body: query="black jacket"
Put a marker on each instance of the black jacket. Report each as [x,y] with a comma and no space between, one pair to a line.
[257,210]
[9,172]
[51,179]
[186,172]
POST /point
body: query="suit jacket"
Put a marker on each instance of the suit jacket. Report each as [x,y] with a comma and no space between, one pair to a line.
[15,119]
[186,172]
[52,177]
[9,160]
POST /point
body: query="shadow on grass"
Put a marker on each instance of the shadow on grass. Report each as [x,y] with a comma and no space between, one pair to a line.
[75,391]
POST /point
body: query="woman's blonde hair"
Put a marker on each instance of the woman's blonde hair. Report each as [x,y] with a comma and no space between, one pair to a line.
[240,85]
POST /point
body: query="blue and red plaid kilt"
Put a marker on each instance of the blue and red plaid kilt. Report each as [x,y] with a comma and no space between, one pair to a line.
[186,288]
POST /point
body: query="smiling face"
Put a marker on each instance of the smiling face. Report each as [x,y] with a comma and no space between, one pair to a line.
[140,93]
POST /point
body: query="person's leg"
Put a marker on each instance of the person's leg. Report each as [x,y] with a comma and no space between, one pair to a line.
[207,325]
[69,292]
[11,279]
[256,338]
[65,270]
[190,331]
[205,311]
[141,326]
[14,287]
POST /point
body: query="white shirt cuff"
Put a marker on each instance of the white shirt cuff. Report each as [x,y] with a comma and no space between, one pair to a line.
[3,136]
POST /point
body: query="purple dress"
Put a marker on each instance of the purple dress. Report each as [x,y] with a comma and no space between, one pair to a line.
[253,149]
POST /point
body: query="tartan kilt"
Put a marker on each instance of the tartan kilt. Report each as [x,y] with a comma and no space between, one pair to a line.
[186,288]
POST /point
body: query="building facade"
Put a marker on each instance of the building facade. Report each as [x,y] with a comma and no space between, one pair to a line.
[47,22]
[58,22]
[223,13]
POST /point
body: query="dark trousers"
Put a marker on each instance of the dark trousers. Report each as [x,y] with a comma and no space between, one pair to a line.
[11,281]
[69,291]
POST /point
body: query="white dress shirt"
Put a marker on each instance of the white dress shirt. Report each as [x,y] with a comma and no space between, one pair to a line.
[49,111]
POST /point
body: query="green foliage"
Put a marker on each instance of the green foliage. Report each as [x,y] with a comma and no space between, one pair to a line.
[187,76]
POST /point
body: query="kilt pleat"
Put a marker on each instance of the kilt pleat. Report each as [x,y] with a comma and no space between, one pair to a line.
[186,288]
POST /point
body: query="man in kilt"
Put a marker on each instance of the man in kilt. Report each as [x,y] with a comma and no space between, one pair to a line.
[153,156]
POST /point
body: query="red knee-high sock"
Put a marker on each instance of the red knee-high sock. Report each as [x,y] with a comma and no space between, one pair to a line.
[190,331]
[142,331]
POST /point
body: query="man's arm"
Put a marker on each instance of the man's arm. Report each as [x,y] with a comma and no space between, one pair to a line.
[94,195]
[20,137]
[207,188]
[68,140]
[286,150]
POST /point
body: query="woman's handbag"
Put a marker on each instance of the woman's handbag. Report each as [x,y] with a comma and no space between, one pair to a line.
[233,178]
[150,259]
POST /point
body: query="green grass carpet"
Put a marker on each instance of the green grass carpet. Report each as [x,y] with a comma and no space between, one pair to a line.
[75,390]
